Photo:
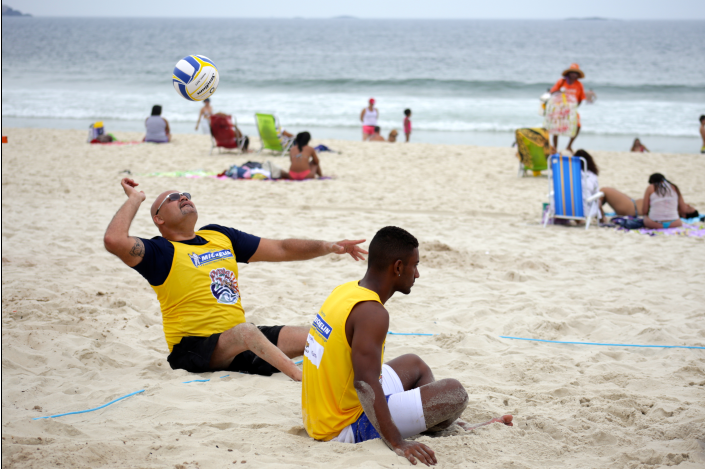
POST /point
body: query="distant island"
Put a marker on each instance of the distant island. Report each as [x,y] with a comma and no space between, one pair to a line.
[7,11]
[591,18]
[344,17]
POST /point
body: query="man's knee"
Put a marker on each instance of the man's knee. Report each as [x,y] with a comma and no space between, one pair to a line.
[246,331]
[455,392]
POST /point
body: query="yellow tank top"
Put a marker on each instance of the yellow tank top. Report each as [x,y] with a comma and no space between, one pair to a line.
[200,296]
[329,402]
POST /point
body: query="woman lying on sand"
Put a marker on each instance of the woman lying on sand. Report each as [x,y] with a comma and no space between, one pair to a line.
[304,161]
[624,205]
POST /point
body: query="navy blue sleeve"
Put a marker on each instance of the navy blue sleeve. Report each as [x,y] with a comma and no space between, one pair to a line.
[244,244]
[158,257]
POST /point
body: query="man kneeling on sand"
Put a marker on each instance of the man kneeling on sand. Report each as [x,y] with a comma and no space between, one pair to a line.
[194,274]
[349,394]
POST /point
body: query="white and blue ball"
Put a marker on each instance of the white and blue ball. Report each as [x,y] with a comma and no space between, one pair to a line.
[195,77]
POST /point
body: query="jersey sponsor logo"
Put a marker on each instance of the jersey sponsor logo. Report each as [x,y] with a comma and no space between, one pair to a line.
[224,286]
[313,351]
[209,257]
[322,327]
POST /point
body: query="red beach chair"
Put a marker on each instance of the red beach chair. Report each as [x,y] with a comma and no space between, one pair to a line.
[223,135]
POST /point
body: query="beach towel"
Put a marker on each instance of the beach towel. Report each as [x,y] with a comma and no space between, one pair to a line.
[691,230]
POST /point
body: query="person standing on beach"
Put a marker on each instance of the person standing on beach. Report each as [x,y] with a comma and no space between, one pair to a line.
[407,124]
[205,114]
[702,133]
[570,85]
[369,117]
[348,393]
[194,274]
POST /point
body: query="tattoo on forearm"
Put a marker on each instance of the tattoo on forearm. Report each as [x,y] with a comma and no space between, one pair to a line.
[138,249]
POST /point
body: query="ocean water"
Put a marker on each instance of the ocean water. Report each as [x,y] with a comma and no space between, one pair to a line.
[466,81]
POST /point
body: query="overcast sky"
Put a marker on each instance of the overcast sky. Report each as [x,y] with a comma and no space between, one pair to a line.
[499,9]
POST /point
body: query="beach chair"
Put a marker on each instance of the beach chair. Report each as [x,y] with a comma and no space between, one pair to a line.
[533,149]
[566,191]
[223,135]
[270,134]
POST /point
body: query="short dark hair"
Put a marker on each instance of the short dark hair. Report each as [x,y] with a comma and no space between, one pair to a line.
[390,244]
[407,112]
[377,129]
[591,165]
[702,118]
[157,110]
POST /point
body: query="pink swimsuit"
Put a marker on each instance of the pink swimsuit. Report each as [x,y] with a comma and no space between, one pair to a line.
[299,175]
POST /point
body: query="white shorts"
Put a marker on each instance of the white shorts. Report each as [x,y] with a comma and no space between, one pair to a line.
[405,406]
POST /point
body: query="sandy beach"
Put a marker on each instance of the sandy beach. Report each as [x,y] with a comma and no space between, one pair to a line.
[80,329]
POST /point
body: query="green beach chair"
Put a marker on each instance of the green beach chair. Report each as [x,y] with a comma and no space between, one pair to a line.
[269,134]
[533,149]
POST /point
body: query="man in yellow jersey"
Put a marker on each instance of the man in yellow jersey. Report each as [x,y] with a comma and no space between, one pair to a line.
[194,274]
[348,393]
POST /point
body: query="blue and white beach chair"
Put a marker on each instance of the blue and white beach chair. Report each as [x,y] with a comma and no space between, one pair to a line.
[566,191]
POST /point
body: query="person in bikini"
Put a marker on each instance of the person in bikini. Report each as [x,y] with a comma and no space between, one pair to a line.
[304,160]
[664,204]
[348,393]
[369,117]
[195,277]
[623,205]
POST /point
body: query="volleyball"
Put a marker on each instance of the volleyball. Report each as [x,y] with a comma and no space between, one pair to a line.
[195,77]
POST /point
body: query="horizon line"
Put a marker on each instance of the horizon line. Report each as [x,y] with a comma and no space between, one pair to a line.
[350,17]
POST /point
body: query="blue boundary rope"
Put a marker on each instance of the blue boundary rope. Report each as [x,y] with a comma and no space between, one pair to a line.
[407,333]
[598,343]
[90,410]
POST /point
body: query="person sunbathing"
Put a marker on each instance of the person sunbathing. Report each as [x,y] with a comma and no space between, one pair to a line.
[304,160]
[663,203]
[157,128]
[626,206]
[639,147]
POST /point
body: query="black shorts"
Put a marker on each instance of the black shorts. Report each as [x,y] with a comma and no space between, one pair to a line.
[194,354]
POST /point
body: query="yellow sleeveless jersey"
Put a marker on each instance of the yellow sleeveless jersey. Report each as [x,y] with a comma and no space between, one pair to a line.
[200,297]
[329,401]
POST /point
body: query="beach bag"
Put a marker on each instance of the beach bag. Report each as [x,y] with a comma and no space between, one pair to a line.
[95,130]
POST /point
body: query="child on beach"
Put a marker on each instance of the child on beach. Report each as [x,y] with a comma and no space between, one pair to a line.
[407,124]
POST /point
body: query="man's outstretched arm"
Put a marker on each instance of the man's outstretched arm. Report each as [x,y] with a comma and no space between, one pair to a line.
[117,239]
[273,250]
[369,322]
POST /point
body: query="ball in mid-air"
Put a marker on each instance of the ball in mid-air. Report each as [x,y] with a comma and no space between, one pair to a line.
[195,77]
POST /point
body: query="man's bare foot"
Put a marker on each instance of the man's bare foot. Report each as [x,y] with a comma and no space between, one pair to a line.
[505,419]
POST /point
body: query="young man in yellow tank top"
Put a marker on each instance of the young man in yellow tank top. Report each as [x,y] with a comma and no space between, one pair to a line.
[195,277]
[348,393]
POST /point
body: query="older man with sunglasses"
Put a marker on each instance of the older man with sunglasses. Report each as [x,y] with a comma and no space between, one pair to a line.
[194,274]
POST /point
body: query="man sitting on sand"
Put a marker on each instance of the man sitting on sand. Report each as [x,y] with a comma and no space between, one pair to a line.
[195,277]
[348,394]
[376,137]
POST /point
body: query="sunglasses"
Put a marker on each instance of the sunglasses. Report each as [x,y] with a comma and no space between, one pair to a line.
[173,197]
